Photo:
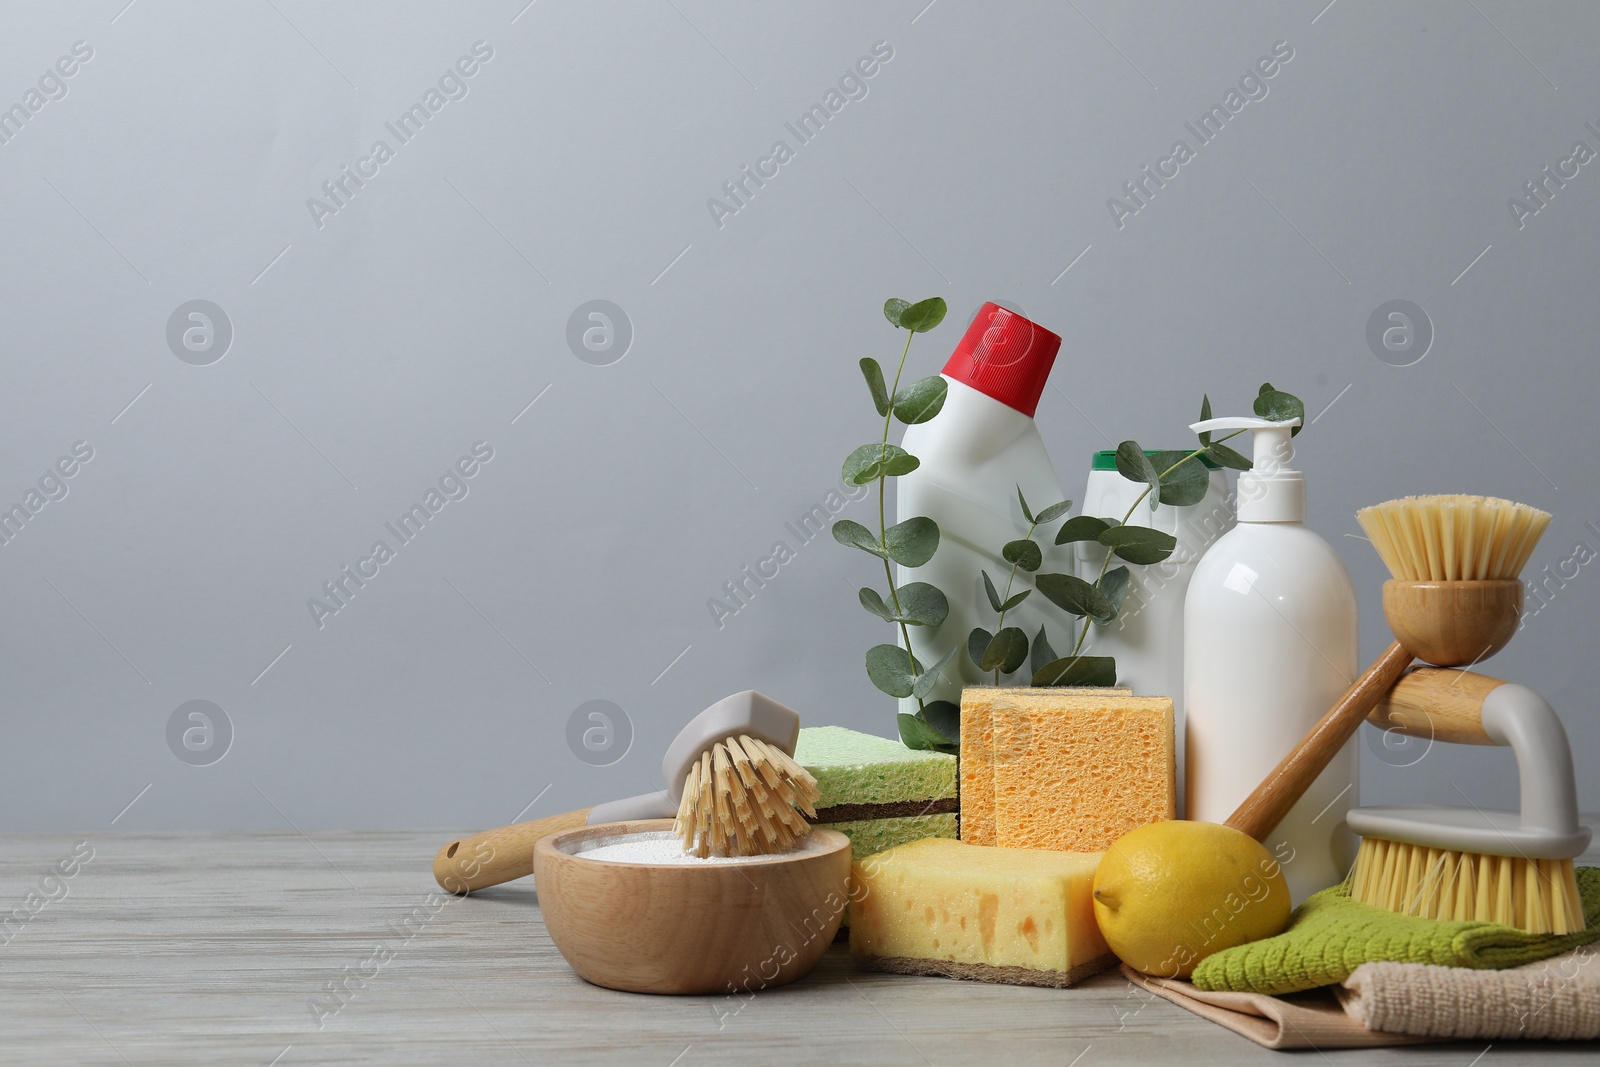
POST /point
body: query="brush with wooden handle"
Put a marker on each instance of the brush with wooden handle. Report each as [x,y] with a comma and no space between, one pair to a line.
[1454,600]
[750,807]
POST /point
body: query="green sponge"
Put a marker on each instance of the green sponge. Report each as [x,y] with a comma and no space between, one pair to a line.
[853,769]
[868,837]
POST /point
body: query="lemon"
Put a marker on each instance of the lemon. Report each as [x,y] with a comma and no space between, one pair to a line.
[1169,894]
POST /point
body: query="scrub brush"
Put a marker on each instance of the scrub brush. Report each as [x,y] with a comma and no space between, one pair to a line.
[745,797]
[1512,867]
[1456,599]
[755,816]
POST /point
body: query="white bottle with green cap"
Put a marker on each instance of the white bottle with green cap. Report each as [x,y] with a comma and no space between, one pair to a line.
[1270,643]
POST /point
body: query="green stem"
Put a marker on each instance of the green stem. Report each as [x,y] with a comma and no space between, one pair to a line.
[1001,625]
[1106,562]
[883,520]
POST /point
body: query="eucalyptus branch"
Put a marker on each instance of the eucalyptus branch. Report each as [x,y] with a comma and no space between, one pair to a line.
[895,669]
[1171,478]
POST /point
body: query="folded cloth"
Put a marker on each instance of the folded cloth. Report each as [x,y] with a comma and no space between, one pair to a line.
[1300,1020]
[1410,1003]
[1330,935]
[1557,999]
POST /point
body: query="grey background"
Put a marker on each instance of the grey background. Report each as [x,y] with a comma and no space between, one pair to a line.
[370,354]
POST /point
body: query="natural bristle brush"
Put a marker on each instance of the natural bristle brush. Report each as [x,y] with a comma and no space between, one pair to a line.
[747,805]
[1512,867]
[745,798]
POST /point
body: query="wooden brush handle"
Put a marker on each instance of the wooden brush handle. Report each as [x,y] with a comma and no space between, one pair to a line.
[1437,704]
[1262,810]
[497,856]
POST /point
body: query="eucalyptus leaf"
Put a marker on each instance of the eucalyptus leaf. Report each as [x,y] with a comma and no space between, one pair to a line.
[1205,416]
[1227,457]
[871,462]
[873,602]
[1026,514]
[920,735]
[1006,652]
[891,669]
[921,605]
[893,307]
[1081,528]
[852,533]
[1015,599]
[1182,483]
[1139,544]
[1077,671]
[921,400]
[1041,653]
[874,376]
[1023,553]
[1280,407]
[913,542]
[944,716]
[1114,587]
[1054,512]
[1135,466]
[930,677]
[977,644]
[1073,594]
[922,316]
[990,591]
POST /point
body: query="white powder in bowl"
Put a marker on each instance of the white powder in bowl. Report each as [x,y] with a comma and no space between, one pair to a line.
[663,847]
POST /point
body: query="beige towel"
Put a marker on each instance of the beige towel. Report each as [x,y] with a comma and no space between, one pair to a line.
[1555,999]
[1410,1003]
[1297,1020]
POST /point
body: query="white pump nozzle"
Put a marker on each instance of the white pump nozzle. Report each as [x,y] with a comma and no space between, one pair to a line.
[1269,491]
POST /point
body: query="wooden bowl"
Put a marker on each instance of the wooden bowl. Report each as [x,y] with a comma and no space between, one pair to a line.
[1453,624]
[690,928]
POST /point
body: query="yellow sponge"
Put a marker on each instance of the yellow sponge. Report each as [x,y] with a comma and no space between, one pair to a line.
[1076,771]
[941,907]
[983,711]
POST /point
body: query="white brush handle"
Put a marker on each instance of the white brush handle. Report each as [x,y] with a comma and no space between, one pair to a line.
[1460,706]
[1516,716]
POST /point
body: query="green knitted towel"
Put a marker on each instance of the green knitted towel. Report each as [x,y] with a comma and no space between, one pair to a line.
[1330,935]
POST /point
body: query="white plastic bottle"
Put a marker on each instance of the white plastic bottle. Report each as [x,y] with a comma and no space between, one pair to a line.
[1269,644]
[1146,637]
[975,453]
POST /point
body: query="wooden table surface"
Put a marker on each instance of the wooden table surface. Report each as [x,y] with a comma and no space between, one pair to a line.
[221,948]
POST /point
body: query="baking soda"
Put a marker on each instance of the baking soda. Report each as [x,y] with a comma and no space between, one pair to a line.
[663,847]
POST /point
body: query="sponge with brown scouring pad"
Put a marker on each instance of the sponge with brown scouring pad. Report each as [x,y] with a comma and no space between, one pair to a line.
[878,792]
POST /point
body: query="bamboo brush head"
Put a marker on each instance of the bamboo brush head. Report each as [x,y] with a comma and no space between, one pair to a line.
[744,797]
[1455,598]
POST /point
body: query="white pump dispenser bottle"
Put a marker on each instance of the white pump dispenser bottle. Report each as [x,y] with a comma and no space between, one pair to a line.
[1270,642]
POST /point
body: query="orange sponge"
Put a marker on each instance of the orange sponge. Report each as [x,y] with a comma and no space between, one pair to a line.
[1064,769]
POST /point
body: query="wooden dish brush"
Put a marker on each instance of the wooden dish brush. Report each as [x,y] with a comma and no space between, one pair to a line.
[763,783]
[1454,600]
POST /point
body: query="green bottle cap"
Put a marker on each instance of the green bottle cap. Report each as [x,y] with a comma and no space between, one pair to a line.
[1106,460]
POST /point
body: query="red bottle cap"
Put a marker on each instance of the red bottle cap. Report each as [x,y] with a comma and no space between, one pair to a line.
[1005,356]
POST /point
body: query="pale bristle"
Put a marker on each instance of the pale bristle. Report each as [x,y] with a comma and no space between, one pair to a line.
[1536,895]
[741,799]
[1453,538]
